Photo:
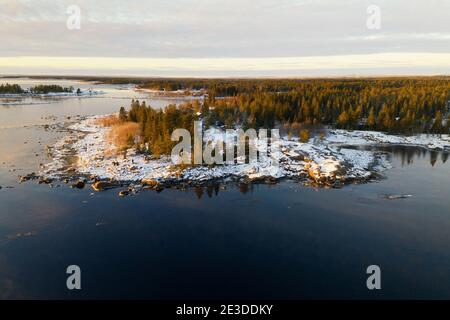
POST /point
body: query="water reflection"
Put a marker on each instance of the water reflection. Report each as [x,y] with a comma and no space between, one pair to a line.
[406,154]
[212,189]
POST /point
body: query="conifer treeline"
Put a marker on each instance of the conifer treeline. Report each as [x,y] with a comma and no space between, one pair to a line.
[396,105]
[10,89]
[392,105]
[38,89]
[47,88]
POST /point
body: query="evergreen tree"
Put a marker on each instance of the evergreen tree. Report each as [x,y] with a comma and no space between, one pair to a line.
[371,120]
[123,114]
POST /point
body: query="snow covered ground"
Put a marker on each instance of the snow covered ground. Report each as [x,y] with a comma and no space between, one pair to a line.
[328,161]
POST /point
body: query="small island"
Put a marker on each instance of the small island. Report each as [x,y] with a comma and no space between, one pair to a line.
[15,90]
[45,89]
[321,124]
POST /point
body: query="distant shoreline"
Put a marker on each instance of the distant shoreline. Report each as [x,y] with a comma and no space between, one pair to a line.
[50,94]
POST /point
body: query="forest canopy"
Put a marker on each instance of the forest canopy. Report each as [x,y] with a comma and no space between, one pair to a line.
[391,104]
[406,106]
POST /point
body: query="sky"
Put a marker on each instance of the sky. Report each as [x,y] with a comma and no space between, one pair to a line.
[225,38]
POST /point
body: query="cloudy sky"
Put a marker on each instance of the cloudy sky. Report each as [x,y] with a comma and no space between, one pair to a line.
[225,37]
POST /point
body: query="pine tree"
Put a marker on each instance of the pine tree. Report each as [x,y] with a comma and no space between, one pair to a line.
[123,114]
[343,119]
[371,120]
[437,125]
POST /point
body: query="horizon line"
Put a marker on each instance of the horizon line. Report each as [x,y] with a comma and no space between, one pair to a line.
[144,77]
[373,64]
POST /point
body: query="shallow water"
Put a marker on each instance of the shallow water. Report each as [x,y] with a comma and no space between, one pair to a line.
[279,241]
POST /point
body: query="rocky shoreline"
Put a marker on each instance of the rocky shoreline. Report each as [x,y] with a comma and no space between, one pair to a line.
[84,157]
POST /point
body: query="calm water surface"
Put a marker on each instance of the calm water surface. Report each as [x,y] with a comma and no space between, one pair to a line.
[282,241]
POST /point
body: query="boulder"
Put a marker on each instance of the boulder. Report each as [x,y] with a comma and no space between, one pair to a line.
[254,178]
[124,193]
[45,180]
[338,184]
[27,177]
[79,184]
[270,180]
[149,182]
[397,196]
[103,185]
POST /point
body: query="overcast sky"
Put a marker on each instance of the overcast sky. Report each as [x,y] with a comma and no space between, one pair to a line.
[225,37]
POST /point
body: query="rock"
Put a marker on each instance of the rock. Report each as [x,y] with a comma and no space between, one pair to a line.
[134,188]
[103,185]
[20,234]
[45,180]
[181,187]
[254,179]
[338,184]
[397,196]
[149,182]
[79,184]
[152,184]
[124,193]
[271,180]
[27,177]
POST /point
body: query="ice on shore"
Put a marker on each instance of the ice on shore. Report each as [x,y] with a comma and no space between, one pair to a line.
[328,161]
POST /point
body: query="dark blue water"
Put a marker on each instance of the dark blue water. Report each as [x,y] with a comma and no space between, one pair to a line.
[282,241]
